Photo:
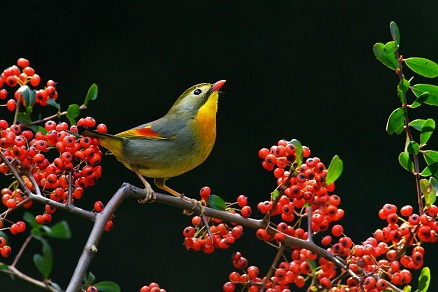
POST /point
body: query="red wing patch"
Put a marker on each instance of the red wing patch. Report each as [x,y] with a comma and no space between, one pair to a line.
[145,132]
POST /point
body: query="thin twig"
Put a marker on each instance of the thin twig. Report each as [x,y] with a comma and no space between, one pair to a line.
[20,252]
[274,265]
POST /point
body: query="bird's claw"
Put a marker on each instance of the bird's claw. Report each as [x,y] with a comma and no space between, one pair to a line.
[195,204]
[150,196]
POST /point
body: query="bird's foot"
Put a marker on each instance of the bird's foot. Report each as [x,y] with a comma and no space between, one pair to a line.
[196,203]
[150,195]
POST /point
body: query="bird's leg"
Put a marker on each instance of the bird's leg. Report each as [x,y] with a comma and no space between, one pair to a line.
[150,194]
[161,183]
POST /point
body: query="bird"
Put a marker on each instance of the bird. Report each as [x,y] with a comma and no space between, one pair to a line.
[172,145]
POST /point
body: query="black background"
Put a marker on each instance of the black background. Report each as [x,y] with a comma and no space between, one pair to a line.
[301,70]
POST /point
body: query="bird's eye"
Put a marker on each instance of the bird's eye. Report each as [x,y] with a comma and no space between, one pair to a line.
[197,91]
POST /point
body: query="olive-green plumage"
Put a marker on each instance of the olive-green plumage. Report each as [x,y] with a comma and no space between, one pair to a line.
[173,144]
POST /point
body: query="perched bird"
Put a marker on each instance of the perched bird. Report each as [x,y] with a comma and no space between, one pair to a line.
[171,145]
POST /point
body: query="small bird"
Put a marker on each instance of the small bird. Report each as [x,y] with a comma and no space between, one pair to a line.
[172,145]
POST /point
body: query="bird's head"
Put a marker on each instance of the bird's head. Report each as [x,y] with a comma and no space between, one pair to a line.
[200,97]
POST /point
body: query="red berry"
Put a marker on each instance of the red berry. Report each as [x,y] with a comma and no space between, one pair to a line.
[92,289]
[263,153]
[108,225]
[189,232]
[229,287]
[326,240]
[23,63]
[101,128]
[29,71]
[98,206]
[406,210]
[205,193]
[2,242]
[337,230]
[242,201]
[11,104]
[11,203]
[35,80]
[6,251]
[246,211]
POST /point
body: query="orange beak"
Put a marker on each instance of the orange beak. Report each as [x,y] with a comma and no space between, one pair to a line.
[218,85]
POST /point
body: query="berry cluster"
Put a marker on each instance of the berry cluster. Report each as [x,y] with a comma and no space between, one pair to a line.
[196,237]
[285,274]
[20,76]
[52,160]
[152,287]
[306,207]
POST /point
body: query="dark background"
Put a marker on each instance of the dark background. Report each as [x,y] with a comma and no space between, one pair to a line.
[293,70]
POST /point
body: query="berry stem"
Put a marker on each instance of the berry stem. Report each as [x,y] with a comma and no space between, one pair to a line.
[20,252]
[13,271]
[274,264]
[57,115]
[409,136]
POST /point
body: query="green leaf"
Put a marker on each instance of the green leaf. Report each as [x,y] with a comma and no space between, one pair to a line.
[275,194]
[406,161]
[91,94]
[52,102]
[413,147]
[417,124]
[420,100]
[402,88]
[431,158]
[334,170]
[4,267]
[395,32]
[24,118]
[426,127]
[107,286]
[54,285]
[426,131]
[30,219]
[298,152]
[403,85]
[216,202]
[4,235]
[429,189]
[44,262]
[396,122]
[424,280]
[388,59]
[423,66]
[432,90]
[40,264]
[390,47]
[37,129]
[60,230]
[88,279]
[73,112]
[434,193]
[28,95]
[407,288]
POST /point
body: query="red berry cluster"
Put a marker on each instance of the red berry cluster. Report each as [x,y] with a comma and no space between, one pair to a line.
[395,249]
[302,193]
[285,274]
[49,159]
[152,287]
[29,153]
[20,76]
[301,185]
[196,237]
